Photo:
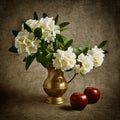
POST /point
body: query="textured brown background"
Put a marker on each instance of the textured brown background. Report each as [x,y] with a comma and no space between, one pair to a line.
[92,21]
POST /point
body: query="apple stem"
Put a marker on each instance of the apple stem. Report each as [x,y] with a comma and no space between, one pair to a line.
[72,77]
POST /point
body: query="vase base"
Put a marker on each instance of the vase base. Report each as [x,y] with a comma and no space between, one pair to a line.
[55,100]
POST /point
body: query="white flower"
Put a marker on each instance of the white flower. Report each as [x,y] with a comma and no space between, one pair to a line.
[32,24]
[47,36]
[26,44]
[85,64]
[46,23]
[64,60]
[49,29]
[76,68]
[98,56]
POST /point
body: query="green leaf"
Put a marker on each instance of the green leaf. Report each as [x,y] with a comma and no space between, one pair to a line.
[26,27]
[49,57]
[68,44]
[13,49]
[105,51]
[77,51]
[63,29]
[59,38]
[64,24]
[85,50]
[15,33]
[38,33]
[59,42]
[24,60]
[35,16]
[48,50]
[56,19]
[54,46]
[44,15]
[59,45]
[102,44]
[65,38]
[40,59]
[44,45]
[29,60]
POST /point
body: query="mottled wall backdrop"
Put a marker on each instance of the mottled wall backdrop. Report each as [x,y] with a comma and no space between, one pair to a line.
[91,22]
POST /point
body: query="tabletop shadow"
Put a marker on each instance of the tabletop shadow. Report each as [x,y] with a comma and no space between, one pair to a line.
[66,108]
[11,96]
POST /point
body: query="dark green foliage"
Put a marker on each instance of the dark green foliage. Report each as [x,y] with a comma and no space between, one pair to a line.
[64,24]
[38,33]
[56,19]
[13,49]
[44,15]
[85,50]
[35,16]
[15,33]
[68,44]
[26,27]
[28,61]
[102,44]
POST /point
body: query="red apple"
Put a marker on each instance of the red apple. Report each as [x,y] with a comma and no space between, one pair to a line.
[78,101]
[93,94]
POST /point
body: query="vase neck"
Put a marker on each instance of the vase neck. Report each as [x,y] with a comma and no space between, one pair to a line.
[54,72]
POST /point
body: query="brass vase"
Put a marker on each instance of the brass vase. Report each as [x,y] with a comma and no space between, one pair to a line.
[55,86]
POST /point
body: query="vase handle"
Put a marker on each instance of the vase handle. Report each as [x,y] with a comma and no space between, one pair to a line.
[72,78]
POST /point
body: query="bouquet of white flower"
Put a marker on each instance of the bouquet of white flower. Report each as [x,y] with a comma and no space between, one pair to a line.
[42,39]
